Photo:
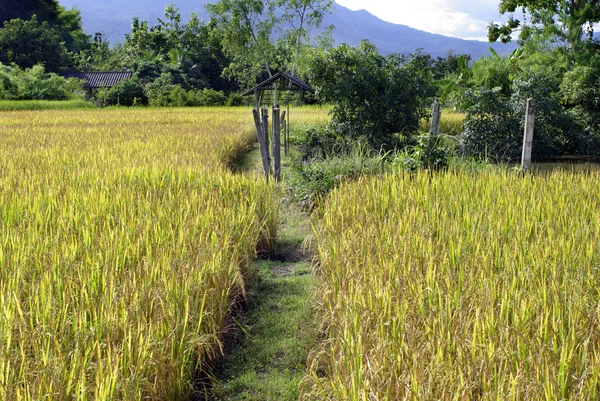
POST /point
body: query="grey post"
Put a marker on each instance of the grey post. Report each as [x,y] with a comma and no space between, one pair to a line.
[528,135]
[261,143]
[284,128]
[265,129]
[277,143]
[436,114]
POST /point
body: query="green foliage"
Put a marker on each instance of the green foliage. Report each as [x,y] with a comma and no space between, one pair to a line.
[126,93]
[46,10]
[494,124]
[453,85]
[452,64]
[27,43]
[580,91]
[564,22]
[247,29]
[309,182]
[191,51]
[166,91]
[431,152]
[493,72]
[35,84]
[374,97]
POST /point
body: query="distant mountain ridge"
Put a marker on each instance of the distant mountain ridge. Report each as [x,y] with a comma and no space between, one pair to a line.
[113,18]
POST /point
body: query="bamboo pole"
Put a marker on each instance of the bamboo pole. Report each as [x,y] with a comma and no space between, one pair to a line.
[261,143]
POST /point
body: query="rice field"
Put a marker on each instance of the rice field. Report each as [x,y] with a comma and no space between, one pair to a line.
[123,240]
[451,123]
[460,286]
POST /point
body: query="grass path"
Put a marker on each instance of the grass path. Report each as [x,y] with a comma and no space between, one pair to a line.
[267,354]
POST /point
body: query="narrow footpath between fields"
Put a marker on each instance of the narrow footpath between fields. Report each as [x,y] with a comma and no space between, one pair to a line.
[267,352]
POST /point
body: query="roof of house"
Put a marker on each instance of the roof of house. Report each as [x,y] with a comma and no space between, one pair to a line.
[99,79]
[296,84]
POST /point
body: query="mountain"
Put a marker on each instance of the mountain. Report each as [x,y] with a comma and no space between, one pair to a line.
[113,18]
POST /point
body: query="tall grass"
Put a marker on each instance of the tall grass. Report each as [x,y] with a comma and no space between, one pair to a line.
[460,286]
[123,240]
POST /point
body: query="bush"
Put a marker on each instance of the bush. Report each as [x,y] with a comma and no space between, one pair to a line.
[165,92]
[580,91]
[310,182]
[494,124]
[35,84]
[374,97]
[126,93]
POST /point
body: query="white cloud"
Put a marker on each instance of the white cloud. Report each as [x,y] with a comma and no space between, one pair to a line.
[467,19]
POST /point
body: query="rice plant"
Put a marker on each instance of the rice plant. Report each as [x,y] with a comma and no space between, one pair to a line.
[460,285]
[123,241]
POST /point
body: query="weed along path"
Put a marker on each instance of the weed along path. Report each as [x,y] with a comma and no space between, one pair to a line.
[267,351]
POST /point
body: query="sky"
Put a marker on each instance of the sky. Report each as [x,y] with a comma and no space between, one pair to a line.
[466,19]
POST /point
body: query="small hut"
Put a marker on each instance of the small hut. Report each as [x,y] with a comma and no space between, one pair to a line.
[94,80]
[280,82]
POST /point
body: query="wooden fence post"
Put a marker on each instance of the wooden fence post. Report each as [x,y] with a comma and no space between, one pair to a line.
[436,114]
[528,134]
[261,143]
[265,130]
[284,129]
[434,129]
[277,143]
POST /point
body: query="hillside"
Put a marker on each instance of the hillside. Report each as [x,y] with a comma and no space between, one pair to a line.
[113,18]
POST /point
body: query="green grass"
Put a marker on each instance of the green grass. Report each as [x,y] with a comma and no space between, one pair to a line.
[274,337]
[13,105]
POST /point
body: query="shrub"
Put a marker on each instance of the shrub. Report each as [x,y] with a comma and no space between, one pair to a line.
[127,93]
[581,95]
[494,124]
[35,84]
[310,182]
[374,97]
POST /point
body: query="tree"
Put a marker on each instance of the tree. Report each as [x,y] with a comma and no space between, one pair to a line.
[46,10]
[374,97]
[248,29]
[66,22]
[566,22]
[190,52]
[298,18]
[27,43]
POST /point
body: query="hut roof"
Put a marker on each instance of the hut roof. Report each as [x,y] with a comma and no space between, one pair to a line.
[99,79]
[281,77]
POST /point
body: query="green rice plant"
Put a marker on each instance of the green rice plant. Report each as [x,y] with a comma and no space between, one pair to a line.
[460,285]
[123,241]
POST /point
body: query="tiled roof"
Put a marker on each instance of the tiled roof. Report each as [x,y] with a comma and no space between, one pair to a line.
[99,79]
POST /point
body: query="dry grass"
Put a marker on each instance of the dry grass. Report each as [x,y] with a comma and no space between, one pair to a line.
[123,239]
[481,286]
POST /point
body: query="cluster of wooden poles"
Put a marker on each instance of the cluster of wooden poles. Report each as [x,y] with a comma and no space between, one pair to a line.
[280,125]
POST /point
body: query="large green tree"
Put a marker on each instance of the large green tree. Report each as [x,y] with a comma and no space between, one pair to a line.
[261,36]
[67,23]
[563,22]
[375,97]
[46,10]
[189,51]
[27,43]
